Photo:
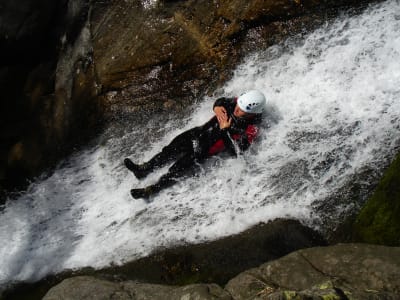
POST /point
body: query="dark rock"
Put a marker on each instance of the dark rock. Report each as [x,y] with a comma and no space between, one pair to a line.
[220,260]
[182,49]
[379,222]
[376,220]
[70,65]
[79,288]
[344,271]
[47,77]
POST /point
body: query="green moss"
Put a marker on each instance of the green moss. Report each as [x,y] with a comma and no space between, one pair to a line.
[349,295]
[326,285]
[290,295]
[330,297]
[379,221]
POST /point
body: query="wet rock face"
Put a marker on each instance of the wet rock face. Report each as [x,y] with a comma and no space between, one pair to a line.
[26,19]
[46,82]
[177,49]
[24,43]
[378,222]
[171,53]
[345,271]
[72,64]
[91,288]
[220,260]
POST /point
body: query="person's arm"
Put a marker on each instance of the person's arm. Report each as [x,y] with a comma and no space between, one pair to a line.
[221,113]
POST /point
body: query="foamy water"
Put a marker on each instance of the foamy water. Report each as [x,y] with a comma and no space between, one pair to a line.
[333,112]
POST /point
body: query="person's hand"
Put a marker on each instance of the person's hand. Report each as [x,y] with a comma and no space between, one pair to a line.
[222,117]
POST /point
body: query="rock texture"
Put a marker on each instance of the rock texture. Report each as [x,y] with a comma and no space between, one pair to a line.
[379,222]
[355,271]
[170,54]
[218,261]
[344,271]
[47,83]
[70,65]
[92,288]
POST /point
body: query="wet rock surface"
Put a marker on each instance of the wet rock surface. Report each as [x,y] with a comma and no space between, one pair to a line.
[92,288]
[211,262]
[107,60]
[47,85]
[378,220]
[344,271]
[70,66]
[355,271]
[220,260]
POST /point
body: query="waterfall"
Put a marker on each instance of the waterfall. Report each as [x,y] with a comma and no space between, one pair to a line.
[332,121]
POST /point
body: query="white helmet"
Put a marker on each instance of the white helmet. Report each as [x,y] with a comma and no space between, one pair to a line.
[252,102]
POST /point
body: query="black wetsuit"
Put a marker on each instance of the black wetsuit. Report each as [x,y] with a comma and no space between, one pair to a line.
[195,145]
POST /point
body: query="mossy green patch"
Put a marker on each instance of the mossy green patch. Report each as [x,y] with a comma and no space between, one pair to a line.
[379,221]
[330,297]
[326,285]
[290,295]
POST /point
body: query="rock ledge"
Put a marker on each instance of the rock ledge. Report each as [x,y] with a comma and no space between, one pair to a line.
[343,271]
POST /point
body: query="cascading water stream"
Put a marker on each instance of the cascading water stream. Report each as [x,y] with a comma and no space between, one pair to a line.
[333,113]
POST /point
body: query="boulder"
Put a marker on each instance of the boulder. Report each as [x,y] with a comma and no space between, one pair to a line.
[343,271]
[379,222]
[376,222]
[84,287]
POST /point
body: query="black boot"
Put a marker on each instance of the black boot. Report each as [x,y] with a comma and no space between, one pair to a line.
[140,171]
[144,193]
[157,161]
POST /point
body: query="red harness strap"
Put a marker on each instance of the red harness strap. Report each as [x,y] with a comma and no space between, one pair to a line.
[251,132]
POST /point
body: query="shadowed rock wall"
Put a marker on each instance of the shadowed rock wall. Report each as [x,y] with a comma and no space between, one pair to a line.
[378,221]
[47,84]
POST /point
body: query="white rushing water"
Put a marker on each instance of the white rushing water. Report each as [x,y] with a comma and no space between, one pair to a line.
[333,113]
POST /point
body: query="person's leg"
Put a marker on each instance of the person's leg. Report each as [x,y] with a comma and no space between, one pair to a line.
[183,143]
[183,166]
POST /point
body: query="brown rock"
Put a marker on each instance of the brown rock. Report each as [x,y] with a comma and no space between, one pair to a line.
[177,50]
[83,287]
[344,271]
[357,270]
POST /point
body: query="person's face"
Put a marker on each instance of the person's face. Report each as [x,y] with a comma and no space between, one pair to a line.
[240,113]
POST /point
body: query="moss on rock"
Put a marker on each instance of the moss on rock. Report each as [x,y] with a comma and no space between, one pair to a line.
[378,221]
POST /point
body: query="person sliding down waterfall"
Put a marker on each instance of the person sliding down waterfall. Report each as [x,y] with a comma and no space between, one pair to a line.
[235,122]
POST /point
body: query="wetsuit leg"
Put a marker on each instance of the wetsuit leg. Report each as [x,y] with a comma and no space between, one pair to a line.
[178,147]
[186,165]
